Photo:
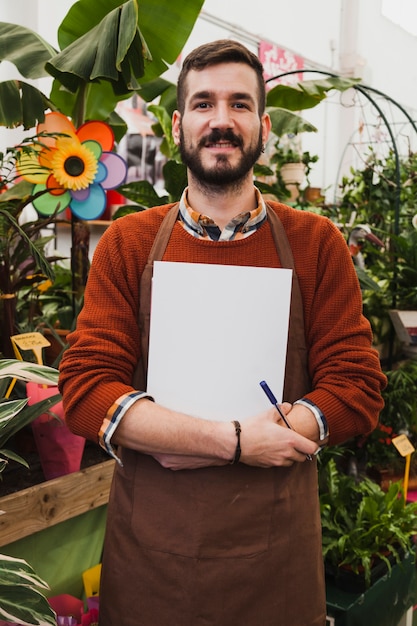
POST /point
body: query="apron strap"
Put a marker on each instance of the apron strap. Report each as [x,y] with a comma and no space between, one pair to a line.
[157,252]
[294,386]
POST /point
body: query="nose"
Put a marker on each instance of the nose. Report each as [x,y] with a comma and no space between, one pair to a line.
[222,117]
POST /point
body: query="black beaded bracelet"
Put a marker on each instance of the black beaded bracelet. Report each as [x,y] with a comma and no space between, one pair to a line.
[238,450]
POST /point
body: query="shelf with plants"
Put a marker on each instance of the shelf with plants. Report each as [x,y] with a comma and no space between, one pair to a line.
[49,502]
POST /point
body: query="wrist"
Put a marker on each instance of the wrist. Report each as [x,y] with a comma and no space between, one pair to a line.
[304,422]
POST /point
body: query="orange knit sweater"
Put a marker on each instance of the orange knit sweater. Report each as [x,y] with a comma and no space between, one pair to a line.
[344,369]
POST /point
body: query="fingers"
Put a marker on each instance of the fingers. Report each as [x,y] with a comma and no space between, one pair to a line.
[266,441]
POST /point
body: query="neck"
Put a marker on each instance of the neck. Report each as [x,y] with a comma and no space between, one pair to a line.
[222,203]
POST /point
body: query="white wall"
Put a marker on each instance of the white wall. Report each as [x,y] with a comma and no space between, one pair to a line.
[300,25]
[348,37]
[340,36]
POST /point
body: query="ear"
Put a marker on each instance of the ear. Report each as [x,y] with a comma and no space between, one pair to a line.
[266,127]
[176,125]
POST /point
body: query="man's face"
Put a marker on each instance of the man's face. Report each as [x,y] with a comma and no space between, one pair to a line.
[220,133]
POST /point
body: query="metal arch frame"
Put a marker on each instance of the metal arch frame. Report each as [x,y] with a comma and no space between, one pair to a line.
[364,90]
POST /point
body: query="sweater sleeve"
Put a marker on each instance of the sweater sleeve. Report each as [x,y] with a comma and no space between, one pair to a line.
[344,367]
[97,367]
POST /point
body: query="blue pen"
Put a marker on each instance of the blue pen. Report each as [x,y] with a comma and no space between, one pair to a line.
[274,401]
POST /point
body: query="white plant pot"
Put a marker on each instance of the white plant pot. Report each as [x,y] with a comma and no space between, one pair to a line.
[293,173]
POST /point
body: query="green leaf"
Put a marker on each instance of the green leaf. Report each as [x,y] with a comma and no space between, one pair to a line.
[101,103]
[284,122]
[21,594]
[29,372]
[25,49]
[366,282]
[39,259]
[10,454]
[142,193]
[11,421]
[175,176]
[308,93]
[158,87]
[165,122]
[21,104]
[20,191]
[34,105]
[85,60]
[164,25]
[113,50]
[262,170]
[10,106]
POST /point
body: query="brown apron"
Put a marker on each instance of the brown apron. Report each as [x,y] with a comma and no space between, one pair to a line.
[224,546]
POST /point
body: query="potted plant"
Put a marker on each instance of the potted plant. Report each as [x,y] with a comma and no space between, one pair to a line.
[16,413]
[365,530]
[287,167]
[21,595]
[50,307]
[375,452]
[23,244]
[21,590]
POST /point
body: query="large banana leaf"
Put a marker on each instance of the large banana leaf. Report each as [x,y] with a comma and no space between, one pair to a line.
[21,103]
[284,121]
[107,49]
[165,27]
[112,50]
[25,49]
[161,29]
[308,93]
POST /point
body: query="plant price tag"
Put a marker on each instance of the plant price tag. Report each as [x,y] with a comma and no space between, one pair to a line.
[28,341]
[403,445]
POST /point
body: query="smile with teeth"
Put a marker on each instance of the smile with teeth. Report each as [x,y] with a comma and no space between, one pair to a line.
[221,144]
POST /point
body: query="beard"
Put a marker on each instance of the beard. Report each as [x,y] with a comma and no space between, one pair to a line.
[222,173]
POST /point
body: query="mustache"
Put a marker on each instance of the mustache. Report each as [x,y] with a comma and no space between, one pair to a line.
[217,135]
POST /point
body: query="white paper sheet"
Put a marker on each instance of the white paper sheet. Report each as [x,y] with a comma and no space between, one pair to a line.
[216,332]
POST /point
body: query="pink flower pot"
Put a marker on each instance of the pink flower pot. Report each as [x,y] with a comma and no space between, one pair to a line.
[60,451]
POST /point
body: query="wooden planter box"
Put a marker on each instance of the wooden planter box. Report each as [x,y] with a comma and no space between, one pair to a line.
[46,504]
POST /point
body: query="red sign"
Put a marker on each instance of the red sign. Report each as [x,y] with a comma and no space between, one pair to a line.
[277,61]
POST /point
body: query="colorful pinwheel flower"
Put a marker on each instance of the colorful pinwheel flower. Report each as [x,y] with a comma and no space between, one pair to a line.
[73,167]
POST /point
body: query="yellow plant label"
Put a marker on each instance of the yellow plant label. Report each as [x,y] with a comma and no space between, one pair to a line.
[29,341]
[403,445]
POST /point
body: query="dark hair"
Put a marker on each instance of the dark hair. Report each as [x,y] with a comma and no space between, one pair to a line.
[213,53]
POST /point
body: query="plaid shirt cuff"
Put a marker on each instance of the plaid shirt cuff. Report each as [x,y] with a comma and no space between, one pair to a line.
[113,418]
[321,420]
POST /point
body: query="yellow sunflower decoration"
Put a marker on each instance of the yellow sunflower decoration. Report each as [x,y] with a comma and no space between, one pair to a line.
[72,167]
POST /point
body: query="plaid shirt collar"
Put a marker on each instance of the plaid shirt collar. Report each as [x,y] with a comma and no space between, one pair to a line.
[203,227]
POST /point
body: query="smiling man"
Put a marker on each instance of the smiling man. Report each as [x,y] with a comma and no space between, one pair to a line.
[218,523]
[228,128]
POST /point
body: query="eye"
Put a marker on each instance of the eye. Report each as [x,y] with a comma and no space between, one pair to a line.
[241,105]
